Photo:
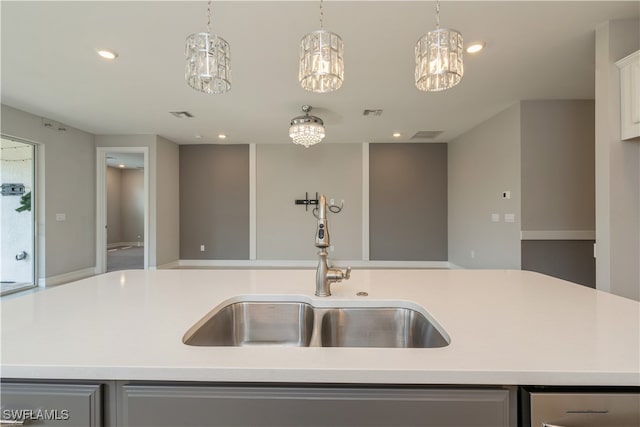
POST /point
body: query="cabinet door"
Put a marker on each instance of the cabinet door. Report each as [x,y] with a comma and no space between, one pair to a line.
[630,96]
[158,405]
[52,404]
[585,409]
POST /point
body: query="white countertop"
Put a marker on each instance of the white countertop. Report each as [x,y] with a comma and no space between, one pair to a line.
[506,328]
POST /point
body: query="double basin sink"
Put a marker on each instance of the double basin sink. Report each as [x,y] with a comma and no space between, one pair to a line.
[300,324]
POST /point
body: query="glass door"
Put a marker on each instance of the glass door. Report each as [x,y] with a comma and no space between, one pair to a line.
[17,216]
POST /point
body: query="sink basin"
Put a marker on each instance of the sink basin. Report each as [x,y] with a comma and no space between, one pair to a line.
[394,327]
[256,323]
[300,324]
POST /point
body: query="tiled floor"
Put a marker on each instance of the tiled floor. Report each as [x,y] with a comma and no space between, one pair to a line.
[125,258]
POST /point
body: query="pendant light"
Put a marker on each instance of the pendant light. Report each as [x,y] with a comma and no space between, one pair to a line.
[439,58]
[306,130]
[321,60]
[208,65]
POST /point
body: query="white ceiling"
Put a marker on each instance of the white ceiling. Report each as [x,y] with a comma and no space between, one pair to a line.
[125,160]
[535,50]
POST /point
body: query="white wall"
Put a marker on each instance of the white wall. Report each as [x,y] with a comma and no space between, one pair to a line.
[617,168]
[483,163]
[68,175]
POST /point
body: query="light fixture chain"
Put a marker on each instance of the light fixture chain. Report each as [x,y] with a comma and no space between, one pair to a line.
[321,16]
[437,14]
[209,17]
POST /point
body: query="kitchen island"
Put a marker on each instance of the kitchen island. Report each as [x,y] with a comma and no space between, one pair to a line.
[506,328]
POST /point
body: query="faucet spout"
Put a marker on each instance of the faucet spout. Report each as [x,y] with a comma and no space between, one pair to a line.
[322,231]
[326,275]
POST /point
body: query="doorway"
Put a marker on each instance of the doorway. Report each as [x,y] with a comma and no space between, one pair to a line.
[122,209]
[17,215]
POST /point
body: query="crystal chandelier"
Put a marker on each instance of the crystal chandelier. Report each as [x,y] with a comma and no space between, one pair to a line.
[306,130]
[321,60]
[208,67]
[439,58]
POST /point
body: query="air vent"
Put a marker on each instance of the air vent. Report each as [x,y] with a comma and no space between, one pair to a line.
[181,114]
[427,134]
[372,113]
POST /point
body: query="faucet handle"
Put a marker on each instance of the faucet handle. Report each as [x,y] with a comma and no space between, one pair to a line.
[347,274]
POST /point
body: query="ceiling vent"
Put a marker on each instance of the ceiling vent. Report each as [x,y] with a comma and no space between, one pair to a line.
[181,114]
[427,134]
[372,113]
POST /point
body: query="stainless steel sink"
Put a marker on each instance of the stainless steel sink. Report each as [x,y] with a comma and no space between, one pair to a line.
[300,324]
[394,327]
[256,323]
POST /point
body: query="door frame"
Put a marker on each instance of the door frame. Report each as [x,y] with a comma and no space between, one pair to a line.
[101,203]
[37,211]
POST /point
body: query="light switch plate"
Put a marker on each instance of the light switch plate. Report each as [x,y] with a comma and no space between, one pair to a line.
[495,217]
[61,217]
[509,217]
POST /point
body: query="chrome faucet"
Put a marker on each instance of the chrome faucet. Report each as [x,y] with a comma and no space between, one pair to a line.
[326,275]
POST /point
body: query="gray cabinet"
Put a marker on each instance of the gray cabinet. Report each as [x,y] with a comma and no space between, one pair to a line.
[52,404]
[208,405]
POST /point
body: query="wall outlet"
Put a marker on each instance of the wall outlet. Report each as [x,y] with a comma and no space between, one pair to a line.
[61,217]
[495,217]
[509,217]
[201,248]
[473,253]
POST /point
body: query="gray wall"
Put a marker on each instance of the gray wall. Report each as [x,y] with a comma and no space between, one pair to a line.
[132,205]
[566,259]
[167,202]
[125,205]
[483,163]
[214,201]
[558,187]
[558,165]
[408,202]
[69,187]
[617,168]
[114,212]
[284,173]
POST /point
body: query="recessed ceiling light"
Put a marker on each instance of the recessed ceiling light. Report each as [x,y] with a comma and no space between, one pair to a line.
[475,47]
[397,134]
[121,166]
[107,54]
[222,136]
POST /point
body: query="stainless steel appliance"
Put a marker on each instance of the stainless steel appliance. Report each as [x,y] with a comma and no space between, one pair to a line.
[595,407]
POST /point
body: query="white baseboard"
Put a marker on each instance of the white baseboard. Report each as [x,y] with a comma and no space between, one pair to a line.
[167,266]
[268,263]
[72,276]
[453,266]
[558,235]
